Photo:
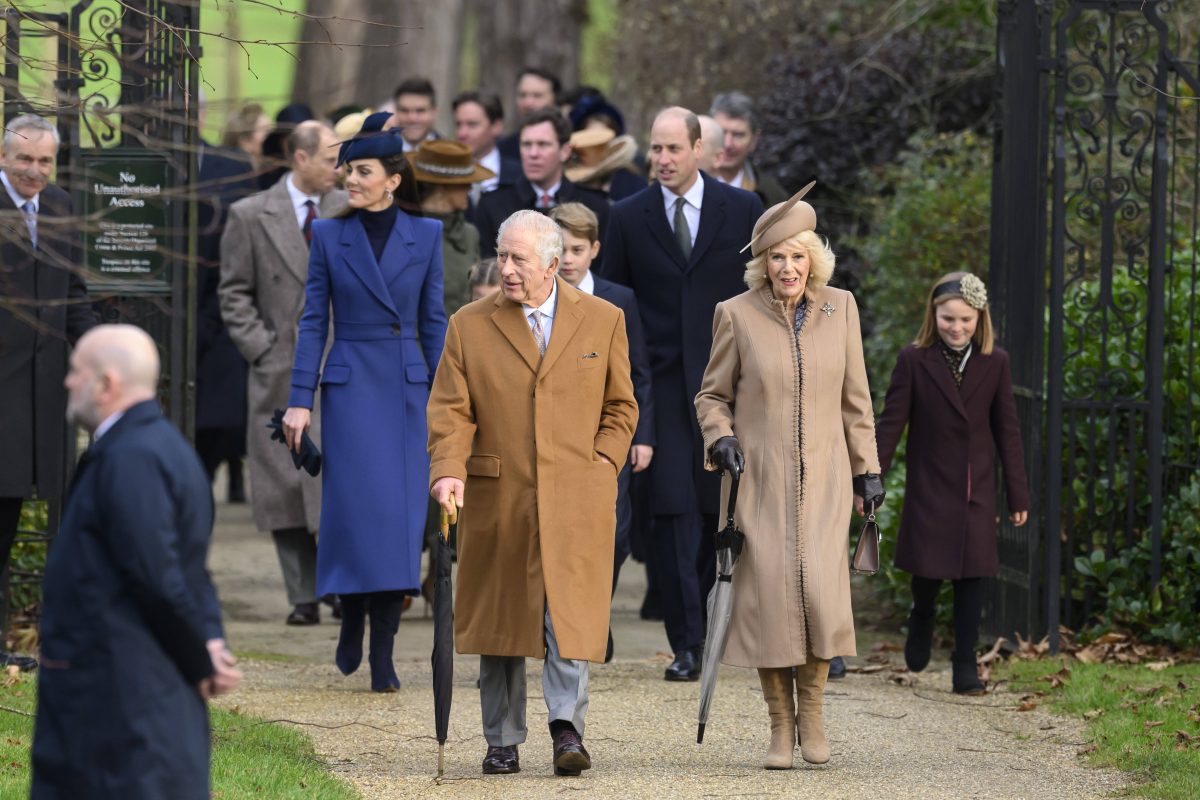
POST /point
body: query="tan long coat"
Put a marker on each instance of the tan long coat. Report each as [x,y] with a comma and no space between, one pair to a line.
[264,266]
[539,512]
[812,417]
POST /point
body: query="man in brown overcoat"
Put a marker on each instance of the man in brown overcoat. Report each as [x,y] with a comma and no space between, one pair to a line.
[264,266]
[531,416]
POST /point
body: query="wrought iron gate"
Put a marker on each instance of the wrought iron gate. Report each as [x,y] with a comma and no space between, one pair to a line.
[117,77]
[1094,259]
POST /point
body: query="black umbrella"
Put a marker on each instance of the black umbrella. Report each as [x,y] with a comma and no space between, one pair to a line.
[443,637]
[729,541]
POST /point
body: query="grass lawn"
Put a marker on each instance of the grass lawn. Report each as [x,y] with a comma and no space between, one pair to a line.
[251,759]
[1142,721]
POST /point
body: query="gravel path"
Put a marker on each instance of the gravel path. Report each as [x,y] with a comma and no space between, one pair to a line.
[888,741]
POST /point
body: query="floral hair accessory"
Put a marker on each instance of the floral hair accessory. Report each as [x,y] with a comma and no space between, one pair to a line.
[970,288]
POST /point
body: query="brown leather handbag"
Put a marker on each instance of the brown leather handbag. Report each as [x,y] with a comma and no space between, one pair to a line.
[866,554]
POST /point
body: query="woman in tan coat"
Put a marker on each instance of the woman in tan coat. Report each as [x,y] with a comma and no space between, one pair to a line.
[785,398]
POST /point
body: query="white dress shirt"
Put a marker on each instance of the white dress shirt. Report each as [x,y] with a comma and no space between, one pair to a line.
[737,181]
[490,161]
[552,191]
[104,427]
[18,201]
[588,284]
[299,199]
[547,308]
[694,198]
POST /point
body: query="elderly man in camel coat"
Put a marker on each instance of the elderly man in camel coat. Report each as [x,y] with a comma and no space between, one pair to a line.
[530,418]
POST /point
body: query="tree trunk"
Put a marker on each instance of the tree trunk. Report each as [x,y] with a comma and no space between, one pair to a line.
[358,51]
[517,33]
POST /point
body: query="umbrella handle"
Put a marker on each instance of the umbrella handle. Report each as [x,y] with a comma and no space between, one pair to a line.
[448,519]
[735,478]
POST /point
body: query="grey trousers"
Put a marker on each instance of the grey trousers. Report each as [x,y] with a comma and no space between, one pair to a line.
[502,692]
[297,551]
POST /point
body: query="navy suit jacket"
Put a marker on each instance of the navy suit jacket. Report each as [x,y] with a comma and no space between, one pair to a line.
[499,204]
[639,363]
[676,297]
[128,607]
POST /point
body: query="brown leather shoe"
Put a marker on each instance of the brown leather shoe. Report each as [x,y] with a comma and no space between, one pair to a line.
[570,756]
[501,760]
[304,614]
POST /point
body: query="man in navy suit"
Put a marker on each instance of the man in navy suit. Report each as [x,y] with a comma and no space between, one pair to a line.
[581,245]
[676,245]
[131,635]
[545,147]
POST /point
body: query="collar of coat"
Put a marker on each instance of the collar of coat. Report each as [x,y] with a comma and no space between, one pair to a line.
[509,317]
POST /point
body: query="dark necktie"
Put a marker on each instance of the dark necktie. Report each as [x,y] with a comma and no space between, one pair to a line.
[30,220]
[683,234]
[547,200]
[308,221]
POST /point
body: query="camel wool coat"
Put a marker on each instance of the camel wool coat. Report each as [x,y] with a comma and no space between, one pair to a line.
[805,425]
[524,433]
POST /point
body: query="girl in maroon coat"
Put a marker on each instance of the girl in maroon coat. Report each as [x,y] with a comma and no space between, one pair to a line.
[953,389]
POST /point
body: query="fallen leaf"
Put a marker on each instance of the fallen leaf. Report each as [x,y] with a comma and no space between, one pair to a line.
[1181,686]
[1088,655]
[879,658]
[1090,748]
[903,679]
[1111,638]
[1093,714]
[868,669]
[1159,666]
[1148,724]
[1148,691]
[994,653]
[886,647]
[1184,736]
[1027,705]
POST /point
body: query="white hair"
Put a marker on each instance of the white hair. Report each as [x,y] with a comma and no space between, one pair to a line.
[549,242]
[29,122]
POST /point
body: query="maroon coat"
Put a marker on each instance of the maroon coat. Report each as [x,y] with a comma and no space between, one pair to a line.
[948,526]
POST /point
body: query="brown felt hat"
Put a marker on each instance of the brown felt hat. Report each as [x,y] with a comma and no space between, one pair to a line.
[592,137]
[782,221]
[448,162]
[618,153]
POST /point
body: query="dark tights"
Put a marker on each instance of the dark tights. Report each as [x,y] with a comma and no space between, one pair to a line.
[968,608]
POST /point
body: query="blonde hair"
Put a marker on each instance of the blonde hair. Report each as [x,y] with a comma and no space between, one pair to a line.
[821,261]
[984,338]
[577,220]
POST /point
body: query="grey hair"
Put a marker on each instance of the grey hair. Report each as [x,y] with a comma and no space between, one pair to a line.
[549,244]
[737,105]
[28,122]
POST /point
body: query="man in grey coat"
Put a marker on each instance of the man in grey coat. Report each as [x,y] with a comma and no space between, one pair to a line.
[264,265]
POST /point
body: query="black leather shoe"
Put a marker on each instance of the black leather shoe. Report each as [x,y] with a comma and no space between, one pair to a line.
[501,760]
[685,667]
[837,668]
[304,614]
[570,756]
[918,646]
[335,605]
[966,677]
[23,663]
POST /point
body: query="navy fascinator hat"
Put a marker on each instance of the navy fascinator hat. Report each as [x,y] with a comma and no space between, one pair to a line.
[372,141]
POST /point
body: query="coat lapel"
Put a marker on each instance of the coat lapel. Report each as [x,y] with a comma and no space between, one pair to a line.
[356,250]
[936,366]
[567,319]
[655,212]
[712,217]
[973,377]
[398,247]
[510,319]
[279,221]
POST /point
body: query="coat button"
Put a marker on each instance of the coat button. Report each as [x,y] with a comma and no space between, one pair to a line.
[395,329]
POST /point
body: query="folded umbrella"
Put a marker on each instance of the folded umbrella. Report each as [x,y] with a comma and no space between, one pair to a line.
[309,456]
[729,542]
[443,637]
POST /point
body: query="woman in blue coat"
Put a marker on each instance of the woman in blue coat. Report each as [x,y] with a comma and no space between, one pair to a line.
[377,273]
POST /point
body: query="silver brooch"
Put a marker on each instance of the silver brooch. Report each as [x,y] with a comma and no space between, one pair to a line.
[828,309]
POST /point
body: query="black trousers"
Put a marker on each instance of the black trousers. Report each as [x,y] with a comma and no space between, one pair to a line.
[968,608]
[10,518]
[685,565]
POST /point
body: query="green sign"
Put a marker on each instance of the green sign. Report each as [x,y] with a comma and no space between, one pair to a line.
[127,222]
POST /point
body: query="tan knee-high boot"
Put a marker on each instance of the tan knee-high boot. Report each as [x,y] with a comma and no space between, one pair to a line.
[810,690]
[777,691]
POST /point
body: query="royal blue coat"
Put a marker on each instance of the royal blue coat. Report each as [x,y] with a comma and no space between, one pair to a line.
[388,328]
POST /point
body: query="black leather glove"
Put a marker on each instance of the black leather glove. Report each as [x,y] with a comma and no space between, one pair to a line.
[309,457]
[727,454]
[869,487]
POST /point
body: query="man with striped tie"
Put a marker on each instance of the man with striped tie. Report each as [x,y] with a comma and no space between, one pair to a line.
[264,265]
